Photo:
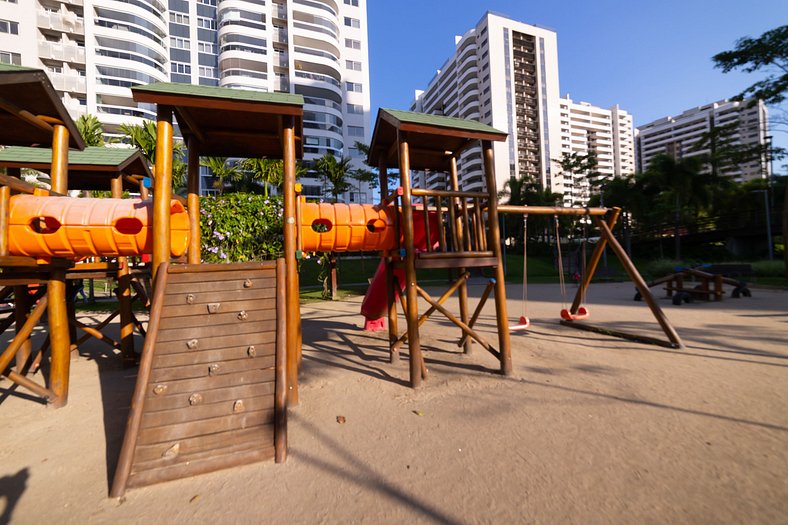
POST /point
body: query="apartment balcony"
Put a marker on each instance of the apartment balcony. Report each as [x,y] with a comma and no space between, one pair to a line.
[63,52]
[63,22]
[68,83]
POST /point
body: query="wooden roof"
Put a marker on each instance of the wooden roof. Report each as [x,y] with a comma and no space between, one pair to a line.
[228,122]
[28,102]
[430,138]
[91,169]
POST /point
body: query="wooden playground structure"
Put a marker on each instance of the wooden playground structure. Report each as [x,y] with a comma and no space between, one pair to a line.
[222,350]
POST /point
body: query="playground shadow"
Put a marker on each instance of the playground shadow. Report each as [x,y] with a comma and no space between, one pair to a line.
[11,490]
[346,346]
[116,384]
[651,404]
[348,467]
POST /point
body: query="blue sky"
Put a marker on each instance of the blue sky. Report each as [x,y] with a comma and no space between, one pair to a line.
[652,57]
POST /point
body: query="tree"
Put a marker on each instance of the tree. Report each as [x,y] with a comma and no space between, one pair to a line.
[265,172]
[223,169]
[768,53]
[580,164]
[91,130]
[335,173]
[678,183]
[144,137]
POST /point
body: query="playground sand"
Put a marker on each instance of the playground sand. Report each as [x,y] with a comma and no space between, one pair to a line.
[588,429]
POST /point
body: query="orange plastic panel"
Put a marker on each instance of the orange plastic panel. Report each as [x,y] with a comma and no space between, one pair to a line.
[66,227]
[350,227]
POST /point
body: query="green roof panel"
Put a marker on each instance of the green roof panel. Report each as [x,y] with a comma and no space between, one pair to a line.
[425,119]
[91,156]
[241,95]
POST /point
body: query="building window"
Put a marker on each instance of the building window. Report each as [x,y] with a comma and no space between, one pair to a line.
[352,44]
[355,131]
[9,27]
[354,3]
[207,2]
[354,87]
[206,47]
[180,67]
[352,22]
[179,43]
[355,109]
[6,57]
[179,18]
[206,23]
[207,72]
[353,65]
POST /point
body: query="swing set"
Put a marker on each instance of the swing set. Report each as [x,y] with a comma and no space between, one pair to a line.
[604,219]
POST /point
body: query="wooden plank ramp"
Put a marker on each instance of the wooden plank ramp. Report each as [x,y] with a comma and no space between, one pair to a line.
[210,392]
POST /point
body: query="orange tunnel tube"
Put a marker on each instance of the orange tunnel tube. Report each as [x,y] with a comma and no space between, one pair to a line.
[347,227]
[68,227]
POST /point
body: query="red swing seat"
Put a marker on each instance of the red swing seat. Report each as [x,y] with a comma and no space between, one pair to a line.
[582,313]
[522,324]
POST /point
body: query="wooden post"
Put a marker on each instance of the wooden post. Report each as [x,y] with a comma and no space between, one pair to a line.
[495,243]
[391,293]
[162,194]
[411,293]
[22,306]
[596,255]
[59,173]
[5,196]
[459,245]
[641,285]
[280,394]
[293,316]
[193,201]
[124,294]
[58,337]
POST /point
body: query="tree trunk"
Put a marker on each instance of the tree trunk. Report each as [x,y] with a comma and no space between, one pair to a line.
[785,231]
[332,265]
[676,232]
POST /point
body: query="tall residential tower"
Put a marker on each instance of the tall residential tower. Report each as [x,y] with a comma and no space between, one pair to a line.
[504,73]
[742,123]
[96,50]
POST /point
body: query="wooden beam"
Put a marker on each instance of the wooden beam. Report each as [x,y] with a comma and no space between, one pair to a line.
[291,269]
[163,192]
[25,115]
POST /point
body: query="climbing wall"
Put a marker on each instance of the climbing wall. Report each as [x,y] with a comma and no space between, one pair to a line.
[210,391]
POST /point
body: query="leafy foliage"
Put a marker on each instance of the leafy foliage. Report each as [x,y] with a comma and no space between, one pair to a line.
[334,173]
[144,137]
[91,130]
[239,227]
[768,51]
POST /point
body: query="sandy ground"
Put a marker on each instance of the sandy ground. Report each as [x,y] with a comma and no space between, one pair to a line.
[589,429]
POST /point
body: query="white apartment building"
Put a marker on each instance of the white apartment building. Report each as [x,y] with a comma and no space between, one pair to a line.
[607,133]
[678,135]
[503,73]
[96,50]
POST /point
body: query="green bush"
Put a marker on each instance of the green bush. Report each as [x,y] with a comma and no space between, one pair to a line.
[238,227]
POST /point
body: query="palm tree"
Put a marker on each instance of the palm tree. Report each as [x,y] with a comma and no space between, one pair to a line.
[265,171]
[223,170]
[335,173]
[680,184]
[144,137]
[91,130]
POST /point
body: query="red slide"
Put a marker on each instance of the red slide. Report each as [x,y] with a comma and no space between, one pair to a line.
[373,308]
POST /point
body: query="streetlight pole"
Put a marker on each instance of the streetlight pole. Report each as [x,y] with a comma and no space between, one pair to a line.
[768,221]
